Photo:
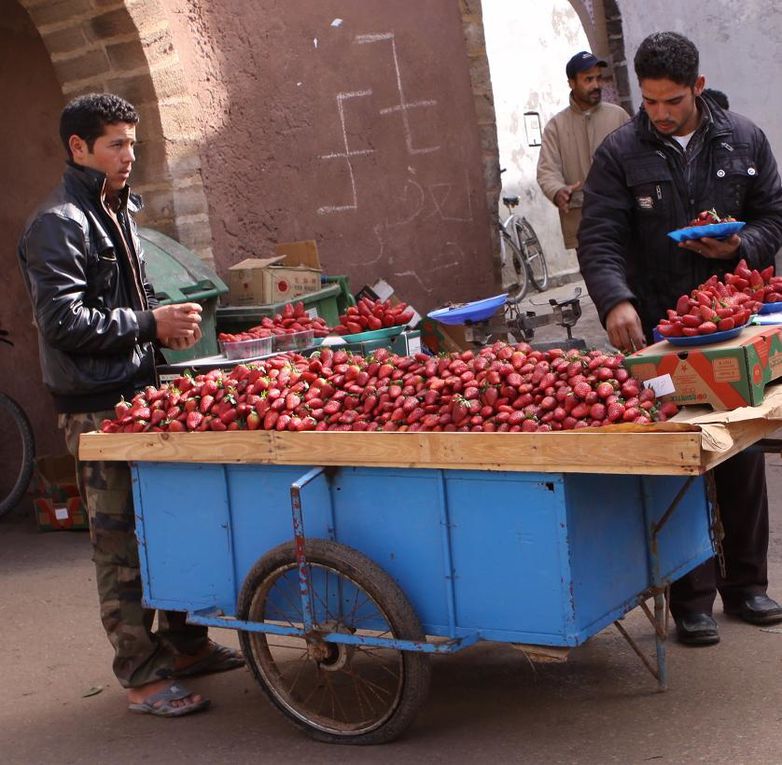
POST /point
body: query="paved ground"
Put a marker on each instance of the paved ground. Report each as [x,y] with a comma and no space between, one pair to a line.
[487,704]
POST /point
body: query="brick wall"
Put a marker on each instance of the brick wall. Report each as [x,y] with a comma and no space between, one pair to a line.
[127,48]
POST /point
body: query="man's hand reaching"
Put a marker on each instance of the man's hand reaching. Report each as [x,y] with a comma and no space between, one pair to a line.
[624,327]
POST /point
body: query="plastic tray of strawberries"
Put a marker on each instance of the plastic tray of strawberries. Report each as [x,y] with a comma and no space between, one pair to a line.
[294,341]
[245,349]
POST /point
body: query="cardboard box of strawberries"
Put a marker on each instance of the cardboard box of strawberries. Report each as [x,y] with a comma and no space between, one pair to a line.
[708,348]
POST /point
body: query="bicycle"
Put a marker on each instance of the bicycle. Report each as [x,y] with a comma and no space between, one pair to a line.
[17,449]
[527,257]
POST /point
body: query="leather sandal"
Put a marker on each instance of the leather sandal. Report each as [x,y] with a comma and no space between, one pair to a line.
[159,703]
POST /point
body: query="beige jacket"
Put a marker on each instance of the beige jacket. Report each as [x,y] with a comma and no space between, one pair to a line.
[569,142]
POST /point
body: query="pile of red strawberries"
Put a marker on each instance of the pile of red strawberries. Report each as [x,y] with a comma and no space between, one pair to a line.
[709,217]
[293,318]
[503,388]
[720,305]
[368,315]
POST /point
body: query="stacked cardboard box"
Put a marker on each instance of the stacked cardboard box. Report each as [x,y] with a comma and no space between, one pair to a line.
[725,375]
[294,270]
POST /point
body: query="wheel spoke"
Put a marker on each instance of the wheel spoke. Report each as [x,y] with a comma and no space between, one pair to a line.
[302,661]
[285,646]
[375,656]
[359,698]
[326,609]
[328,576]
[356,606]
[375,688]
[355,599]
[335,697]
[314,690]
[293,601]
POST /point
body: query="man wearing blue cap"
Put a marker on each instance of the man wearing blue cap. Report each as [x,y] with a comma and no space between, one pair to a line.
[571,137]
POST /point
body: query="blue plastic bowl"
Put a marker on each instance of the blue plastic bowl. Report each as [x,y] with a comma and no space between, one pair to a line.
[714,337]
[478,310]
[712,230]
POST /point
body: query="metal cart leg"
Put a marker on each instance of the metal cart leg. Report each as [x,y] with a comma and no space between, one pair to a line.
[307,604]
[659,621]
[659,590]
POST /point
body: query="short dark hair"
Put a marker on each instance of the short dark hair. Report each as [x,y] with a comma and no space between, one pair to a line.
[667,55]
[717,96]
[87,116]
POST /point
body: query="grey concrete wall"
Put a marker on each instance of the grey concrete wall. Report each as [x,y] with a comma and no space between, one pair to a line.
[739,43]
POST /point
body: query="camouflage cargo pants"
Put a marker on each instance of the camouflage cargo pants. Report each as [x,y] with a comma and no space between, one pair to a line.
[140,655]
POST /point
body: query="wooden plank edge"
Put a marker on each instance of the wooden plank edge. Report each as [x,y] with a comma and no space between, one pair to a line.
[744,435]
[270,447]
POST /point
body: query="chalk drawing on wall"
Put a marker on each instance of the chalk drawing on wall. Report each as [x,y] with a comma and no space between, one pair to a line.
[440,194]
[347,154]
[412,198]
[404,106]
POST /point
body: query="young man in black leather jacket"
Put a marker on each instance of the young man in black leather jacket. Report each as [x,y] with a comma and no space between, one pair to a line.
[98,324]
[679,155]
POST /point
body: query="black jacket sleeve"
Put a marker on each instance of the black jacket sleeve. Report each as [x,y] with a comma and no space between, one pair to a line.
[762,236]
[605,232]
[56,263]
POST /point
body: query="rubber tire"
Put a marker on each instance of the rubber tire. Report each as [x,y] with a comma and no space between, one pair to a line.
[19,418]
[387,595]
[520,270]
[537,267]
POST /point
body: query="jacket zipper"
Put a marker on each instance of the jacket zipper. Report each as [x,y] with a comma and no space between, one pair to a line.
[131,260]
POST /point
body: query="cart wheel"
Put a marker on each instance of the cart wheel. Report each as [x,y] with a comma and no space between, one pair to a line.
[343,694]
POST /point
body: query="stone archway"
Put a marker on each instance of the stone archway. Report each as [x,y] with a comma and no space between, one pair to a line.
[54,50]
[127,48]
[602,22]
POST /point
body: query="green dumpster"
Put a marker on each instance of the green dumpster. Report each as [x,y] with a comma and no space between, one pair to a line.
[180,276]
[321,303]
[345,298]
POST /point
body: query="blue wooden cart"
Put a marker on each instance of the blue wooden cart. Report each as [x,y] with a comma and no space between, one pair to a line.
[342,578]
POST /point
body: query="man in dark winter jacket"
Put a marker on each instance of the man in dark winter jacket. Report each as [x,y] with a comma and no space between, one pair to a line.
[679,155]
[98,323]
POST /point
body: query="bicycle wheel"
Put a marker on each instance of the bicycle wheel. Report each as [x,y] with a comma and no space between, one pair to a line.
[533,254]
[17,451]
[515,277]
[338,693]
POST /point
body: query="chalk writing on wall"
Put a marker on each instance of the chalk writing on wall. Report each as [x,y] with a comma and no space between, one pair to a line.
[347,154]
[404,106]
